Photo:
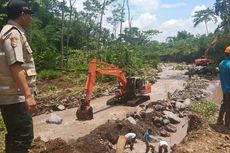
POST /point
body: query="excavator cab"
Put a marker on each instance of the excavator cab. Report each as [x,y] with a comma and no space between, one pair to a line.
[202,61]
[136,91]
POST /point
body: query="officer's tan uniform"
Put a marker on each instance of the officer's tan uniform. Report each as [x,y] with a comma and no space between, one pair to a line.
[14,48]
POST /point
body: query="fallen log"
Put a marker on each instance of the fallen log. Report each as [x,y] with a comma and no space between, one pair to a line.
[120,144]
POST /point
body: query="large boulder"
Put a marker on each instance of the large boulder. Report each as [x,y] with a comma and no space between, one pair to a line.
[131,120]
[174,119]
[180,106]
[187,102]
[170,128]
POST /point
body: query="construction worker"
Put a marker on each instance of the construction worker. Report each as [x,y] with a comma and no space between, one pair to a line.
[224,68]
[147,139]
[130,139]
[163,147]
[17,83]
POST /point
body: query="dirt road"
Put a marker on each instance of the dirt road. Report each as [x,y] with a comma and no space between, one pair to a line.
[71,128]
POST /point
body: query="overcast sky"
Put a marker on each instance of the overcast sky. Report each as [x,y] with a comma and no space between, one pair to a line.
[167,16]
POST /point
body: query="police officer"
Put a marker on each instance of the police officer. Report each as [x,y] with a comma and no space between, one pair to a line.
[17,79]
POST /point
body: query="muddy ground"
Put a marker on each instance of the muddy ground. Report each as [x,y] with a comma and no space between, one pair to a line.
[105,136]
[170,74]
[211,139]
[103,139]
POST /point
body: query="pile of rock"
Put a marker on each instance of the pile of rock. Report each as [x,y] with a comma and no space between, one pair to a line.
[208,71]
[164,115]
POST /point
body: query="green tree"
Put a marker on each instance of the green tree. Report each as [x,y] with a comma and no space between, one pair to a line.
[103,7]
[181,35]
[135,37]
[222,9]
[92,10]
[115,18]
[122,16]
[3,15]
[204,16]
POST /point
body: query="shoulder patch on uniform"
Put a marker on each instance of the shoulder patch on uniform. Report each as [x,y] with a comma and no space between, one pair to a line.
[10,31]
[5,36]
[14,40]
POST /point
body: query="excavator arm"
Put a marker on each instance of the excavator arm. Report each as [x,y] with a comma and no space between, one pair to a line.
[212,45]
[205,59]
[108,69]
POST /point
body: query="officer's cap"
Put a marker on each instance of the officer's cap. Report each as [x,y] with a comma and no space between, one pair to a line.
[16,7]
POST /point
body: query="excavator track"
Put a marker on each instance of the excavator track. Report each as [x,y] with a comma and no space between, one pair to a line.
[114,101]
[138,100]
[133,102]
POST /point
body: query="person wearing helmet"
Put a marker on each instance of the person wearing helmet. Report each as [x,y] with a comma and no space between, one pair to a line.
[224,69]
[18,79]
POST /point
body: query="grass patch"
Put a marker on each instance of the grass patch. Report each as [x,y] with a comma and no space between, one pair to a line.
[2,135]
[49,74]
[205,111]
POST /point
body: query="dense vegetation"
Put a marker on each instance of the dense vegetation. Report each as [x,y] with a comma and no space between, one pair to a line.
[64,38]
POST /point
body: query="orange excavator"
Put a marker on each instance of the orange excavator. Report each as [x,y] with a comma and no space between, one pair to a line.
[131,90]
[204,61]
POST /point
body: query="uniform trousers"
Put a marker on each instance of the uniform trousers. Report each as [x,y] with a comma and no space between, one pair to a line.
[19,127]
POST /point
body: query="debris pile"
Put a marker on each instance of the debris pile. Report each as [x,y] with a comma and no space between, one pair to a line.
[195,91]
[53,146]
[67,98]
[102,139]
[208,72]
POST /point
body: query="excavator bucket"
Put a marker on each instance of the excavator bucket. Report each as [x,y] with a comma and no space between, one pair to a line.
[85,114]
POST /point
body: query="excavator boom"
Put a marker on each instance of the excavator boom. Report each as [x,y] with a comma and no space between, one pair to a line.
[205,60]
[108,70]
